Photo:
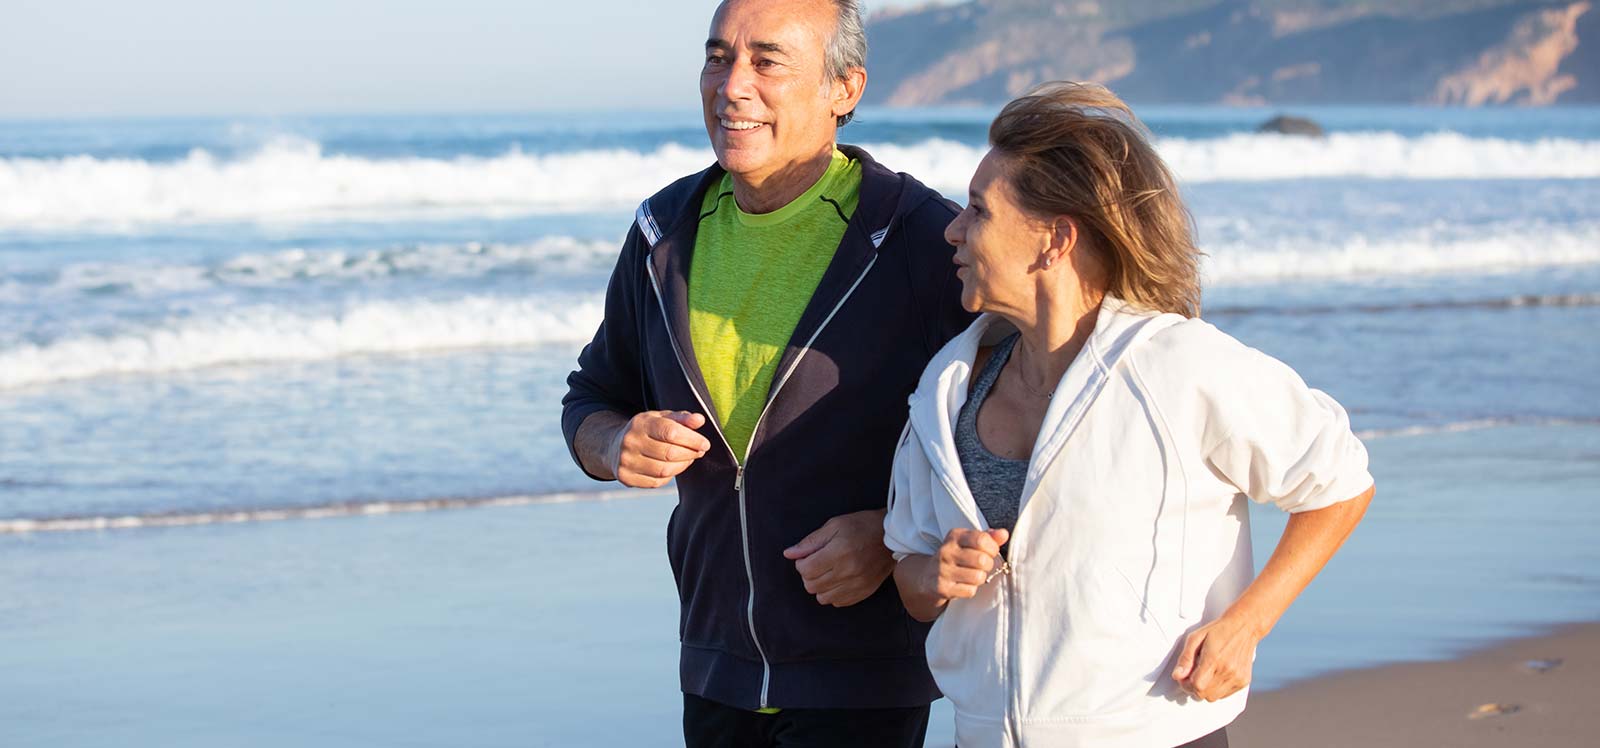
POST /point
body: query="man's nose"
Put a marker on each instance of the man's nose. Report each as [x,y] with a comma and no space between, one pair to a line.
[738,82]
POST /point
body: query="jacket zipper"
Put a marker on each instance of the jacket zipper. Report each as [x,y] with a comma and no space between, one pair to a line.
[739,465]
[1014,724]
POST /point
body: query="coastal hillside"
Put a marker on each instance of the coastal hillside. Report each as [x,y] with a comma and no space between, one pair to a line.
[1447,52]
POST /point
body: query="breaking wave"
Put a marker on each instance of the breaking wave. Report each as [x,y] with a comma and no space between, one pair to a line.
[274,334]
[293,179]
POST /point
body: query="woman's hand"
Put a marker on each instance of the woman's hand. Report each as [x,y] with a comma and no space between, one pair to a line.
[1217,658]
[961,565]
[965,560]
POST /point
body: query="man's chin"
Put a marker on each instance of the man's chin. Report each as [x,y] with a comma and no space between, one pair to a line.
[738,161]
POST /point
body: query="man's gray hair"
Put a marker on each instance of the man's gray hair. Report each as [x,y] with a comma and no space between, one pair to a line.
[847,47]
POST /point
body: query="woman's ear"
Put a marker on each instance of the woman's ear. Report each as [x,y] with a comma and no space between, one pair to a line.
[1063,239]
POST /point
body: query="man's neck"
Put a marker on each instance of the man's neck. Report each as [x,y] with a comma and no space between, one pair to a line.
[782,186]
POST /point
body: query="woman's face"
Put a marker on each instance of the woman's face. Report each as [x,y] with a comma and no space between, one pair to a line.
[998,245]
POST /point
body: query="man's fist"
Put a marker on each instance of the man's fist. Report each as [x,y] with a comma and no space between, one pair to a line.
[656,445]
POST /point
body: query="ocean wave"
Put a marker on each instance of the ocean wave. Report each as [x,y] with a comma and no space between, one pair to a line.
[549,255]
[292,179]
[79,523]
[272,334]
[1422,252]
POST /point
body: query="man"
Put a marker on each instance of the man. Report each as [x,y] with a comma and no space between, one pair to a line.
[764,325]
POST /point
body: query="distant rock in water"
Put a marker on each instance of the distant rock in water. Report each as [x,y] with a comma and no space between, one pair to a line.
[1287,125]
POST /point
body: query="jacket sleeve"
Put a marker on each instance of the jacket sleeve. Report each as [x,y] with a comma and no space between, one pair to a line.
[609,374]
[1279,441]
[933,275]
[910,525]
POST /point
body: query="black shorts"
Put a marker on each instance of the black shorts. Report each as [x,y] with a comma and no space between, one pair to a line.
[708,724]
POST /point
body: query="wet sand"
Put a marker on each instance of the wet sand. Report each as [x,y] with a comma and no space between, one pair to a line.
[1528,693]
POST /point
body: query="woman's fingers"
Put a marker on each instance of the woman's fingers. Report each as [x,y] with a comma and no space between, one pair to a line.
[1186,657]
[1214,663]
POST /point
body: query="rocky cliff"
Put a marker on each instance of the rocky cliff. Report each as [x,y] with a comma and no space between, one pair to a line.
[1461,52]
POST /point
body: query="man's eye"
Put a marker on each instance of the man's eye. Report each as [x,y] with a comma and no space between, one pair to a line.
[714,59]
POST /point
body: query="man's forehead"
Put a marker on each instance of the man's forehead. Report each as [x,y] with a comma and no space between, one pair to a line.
[769,25]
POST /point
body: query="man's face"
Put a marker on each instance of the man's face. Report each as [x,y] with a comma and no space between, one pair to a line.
[768,101]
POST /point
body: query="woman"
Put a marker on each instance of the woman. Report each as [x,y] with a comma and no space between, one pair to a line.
[1069,496]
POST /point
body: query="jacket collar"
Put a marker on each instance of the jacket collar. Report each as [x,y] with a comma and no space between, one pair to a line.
[670,219]
[936,404]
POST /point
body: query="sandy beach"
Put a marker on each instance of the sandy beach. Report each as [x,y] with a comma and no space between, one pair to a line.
[1528,693]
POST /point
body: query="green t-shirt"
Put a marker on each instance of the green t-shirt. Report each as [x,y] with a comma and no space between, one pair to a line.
[751,279]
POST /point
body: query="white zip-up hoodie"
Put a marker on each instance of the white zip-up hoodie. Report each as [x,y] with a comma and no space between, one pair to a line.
[1132,529]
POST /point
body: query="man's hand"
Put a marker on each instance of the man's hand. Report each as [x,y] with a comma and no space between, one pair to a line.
[656,445]
[845,560]
[1217,658]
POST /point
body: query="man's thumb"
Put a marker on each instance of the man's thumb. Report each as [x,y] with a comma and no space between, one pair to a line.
[808,545]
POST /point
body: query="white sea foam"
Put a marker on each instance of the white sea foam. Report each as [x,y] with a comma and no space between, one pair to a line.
[1420,252]
[270,334]
[550,255]
[293,179]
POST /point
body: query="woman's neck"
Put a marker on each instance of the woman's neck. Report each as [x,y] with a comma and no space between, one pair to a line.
[1054,337]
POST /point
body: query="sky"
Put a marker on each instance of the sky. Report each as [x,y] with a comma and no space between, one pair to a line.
[74,58]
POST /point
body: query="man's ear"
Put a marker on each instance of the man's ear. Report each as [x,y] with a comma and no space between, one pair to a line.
[847,91]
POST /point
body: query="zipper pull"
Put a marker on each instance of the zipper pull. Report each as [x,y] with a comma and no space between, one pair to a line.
[738,478]
[1005,568]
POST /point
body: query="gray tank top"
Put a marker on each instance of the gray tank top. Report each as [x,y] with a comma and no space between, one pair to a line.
[996,482]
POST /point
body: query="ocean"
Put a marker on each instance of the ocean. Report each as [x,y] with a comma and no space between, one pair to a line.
[357,325]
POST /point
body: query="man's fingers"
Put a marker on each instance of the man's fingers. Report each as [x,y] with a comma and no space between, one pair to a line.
[814,566]
[809,544]
[824,582]
[691,420]
[662,426]
[667,452]
[652,469]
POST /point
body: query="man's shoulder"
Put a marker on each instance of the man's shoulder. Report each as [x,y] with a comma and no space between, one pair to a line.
[661,211]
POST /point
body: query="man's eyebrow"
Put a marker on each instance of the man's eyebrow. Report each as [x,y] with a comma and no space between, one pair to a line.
[770,47]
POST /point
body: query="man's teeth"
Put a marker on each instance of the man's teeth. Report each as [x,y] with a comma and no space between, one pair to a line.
[741,125]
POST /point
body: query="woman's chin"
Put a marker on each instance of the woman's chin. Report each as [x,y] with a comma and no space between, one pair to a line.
[970,301]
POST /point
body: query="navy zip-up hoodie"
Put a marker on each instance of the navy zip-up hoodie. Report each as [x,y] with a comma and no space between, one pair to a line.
[752,636]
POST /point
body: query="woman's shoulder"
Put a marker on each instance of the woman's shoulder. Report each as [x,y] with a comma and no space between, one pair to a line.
[1193,340]
[1194,354]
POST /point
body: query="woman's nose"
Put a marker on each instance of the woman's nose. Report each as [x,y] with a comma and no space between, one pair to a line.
[956,231]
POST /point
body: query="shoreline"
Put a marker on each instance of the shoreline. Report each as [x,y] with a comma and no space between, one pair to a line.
[27,525]
[1529,692]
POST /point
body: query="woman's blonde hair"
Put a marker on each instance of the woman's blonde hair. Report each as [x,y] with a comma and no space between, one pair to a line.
[1075,149]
